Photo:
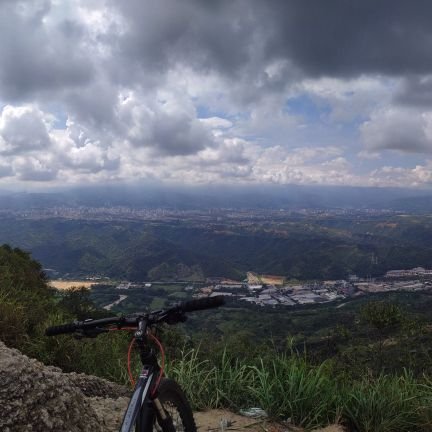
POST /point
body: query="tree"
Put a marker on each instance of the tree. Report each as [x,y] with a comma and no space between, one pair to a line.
[77,302]
[386,318]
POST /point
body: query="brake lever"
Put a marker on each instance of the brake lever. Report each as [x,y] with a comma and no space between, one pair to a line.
[89,333]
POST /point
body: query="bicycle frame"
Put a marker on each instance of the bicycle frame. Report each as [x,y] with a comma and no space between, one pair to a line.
[139,401]
[143,406]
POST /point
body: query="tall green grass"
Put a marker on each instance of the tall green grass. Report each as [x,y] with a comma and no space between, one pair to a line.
[289,388]
[286,387]
[196,377]
[384,404]
[210,385]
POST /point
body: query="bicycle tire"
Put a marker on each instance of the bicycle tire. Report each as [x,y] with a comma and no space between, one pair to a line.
[175,403]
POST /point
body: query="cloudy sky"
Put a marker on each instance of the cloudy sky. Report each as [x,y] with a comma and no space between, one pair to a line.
[228,91]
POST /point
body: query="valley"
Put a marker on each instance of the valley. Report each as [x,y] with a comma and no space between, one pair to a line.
[297,278]
[192,246]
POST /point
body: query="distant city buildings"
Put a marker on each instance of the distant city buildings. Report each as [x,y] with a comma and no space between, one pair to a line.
[415,272]
[272,291]
[275,291]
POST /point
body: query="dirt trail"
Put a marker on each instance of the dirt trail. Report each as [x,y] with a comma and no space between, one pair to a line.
[227,421]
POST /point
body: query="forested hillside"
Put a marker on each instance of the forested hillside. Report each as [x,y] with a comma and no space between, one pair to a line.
[296,247]
[28,306]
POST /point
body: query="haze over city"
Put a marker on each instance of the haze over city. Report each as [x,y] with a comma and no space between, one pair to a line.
[195,92]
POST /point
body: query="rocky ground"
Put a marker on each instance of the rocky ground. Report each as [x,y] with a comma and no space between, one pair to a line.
[35,397]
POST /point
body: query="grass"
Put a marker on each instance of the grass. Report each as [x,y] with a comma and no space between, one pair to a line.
[157,303]
[387,404]
[288,388]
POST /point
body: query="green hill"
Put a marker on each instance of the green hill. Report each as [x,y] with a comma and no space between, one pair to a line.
[302,248]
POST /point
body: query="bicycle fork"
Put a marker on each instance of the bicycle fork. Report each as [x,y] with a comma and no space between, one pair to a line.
[165,421]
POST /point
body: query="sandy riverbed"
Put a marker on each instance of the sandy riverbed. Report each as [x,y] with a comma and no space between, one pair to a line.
[64,285]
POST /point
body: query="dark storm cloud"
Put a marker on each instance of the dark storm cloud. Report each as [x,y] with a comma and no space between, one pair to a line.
[36,56]
[345,38]
[415,91]
[237,39]
[204,35]
[226,38]
[334,37]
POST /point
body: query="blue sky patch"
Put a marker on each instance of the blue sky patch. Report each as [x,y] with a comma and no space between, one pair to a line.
[305,107]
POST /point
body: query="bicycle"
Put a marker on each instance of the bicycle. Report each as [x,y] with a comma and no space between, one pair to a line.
[156,400]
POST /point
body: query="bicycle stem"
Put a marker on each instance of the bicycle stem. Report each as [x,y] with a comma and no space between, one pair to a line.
[147,354]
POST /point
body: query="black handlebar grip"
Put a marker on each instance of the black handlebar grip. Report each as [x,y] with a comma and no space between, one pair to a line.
[61,329]
[202,303]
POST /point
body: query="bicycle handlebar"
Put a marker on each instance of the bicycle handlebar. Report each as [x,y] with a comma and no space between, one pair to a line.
[60,329]
[132,320]
[82,325]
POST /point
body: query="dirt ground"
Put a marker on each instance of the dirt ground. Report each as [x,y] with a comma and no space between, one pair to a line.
[222,420]
[64,285]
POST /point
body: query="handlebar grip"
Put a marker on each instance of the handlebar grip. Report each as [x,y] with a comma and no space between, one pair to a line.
[61,329]
[203,303]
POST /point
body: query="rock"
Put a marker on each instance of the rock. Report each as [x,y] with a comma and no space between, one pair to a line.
[34,397]
[93,386]
[110,412]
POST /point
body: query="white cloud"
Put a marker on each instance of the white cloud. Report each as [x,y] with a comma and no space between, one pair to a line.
[35,168]
[303,166]
[398,128]
[419,176]
[216,123]
[23,129]
[349,99]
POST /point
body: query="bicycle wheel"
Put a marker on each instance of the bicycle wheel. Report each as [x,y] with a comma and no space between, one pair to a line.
[176,405]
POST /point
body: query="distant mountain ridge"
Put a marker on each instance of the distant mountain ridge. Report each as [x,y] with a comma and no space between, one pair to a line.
[203,197]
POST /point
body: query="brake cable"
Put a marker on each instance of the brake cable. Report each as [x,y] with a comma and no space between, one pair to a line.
[129,355]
